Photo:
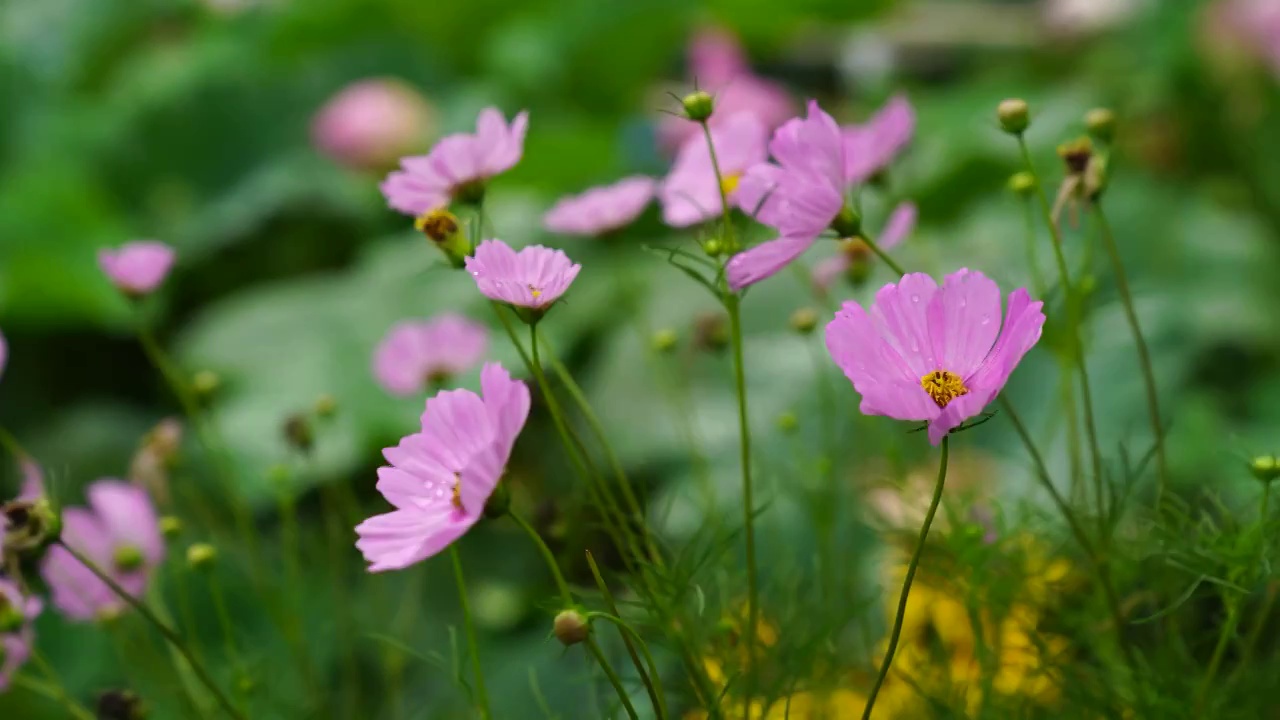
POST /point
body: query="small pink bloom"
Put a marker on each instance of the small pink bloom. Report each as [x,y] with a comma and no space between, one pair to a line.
[938,355]
[417,352]
[369,124]
[458,165]
[1254,24]
[533,278]
[137,268]
[872,146]
[691,193]
[719,66]
[120,534]
[16,643]
[600,210]
[441,477]
[901,222]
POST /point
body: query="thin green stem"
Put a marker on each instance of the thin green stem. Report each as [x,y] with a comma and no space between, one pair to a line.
[56,691]
[172,637]
[896,633]
[469,625]
[614,680]
[1144,354]
[724,196]
[547,555]
[748,497]
[651,679]
[1033,255]
[1219,651]
[893,264]
[228,628]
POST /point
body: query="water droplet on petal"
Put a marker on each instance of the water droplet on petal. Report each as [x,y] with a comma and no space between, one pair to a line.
[915,298]
[986,319]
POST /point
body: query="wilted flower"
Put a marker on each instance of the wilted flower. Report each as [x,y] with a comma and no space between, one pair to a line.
[440,478]
[855,253]
[934,354]
[150,465]
[458,166]
[718,65]
[533,278]
[137,268]
[690,193]
[28,520]
[600,210]
[371,123]
[873,145]
[120,533]
[17,634]
[416,353]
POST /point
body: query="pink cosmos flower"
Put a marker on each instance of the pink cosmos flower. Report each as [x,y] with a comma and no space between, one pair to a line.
[690,194]
[458,166]
[719,66]
[901,222]
[120,534]
[441,477]
[415,353]
[600,210]
[873,145]
[17,633]
[933,354]
[533,278]
[371,123]
[137,268]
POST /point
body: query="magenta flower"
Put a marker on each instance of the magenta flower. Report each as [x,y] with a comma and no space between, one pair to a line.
[718,65]
[17,633]
[371,123]
[690,194]
[533,278]
[600,210]
[416,353]
[933,354]
[854,250]
[120,534]
[458,166]
[137,268]
[441,477]
[872,146]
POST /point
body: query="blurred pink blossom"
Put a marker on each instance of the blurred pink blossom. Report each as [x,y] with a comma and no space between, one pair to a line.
[370,124]
[602,209]
[16,642]
[901,222]
[1256,23]
[533,278]
[139,267]
[690,193]
[415,353]
[873,145]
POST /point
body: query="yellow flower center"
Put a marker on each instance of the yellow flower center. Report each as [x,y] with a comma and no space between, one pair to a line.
[457,493]
[943,386]
[729,183]
[535,292]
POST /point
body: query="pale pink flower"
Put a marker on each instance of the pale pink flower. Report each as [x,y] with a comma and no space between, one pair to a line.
[138,267]
[120,534]
[600,210]
[690,193]
[901,222]
[533,278]
[458,166]
[369,124]
[1257,24]
[718,65]
[416,353]
[873,145]
[440,478]
[933,354]
[17,636]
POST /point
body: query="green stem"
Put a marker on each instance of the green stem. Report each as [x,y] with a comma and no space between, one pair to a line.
[172,637]
[614,680]
[228,629]
[1033,255]
[896,633]
[651,679]
[548,556]
[54,689]
[1219,651]
[893,264]
[724,196]
[1144,354]
[472,643]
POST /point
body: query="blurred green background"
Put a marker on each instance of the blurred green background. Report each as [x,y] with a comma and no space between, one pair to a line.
[191,123]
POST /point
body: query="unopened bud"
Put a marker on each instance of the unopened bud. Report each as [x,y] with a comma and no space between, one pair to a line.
[571,627]
[1265,468]
[1022,183]
[28,524]
[201,556]
[665,340]
[325,407]
[1076,154]
[788,422]
[848,223]
[710,331]
[120,705]
[205,383]
[804,320]
[299,433]
[127,558]
[1101,124]
[713,247]
[1014,116]
[445,232]
[698,105]
[170,526]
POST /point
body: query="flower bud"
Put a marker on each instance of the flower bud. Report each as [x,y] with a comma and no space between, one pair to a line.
[120,705]
[11,617]
[788,422]
[698,105]
[665,340]
[1022,183]
[571,628]
[325,407]
[28,524]
[1101,124]
[298,433]
[201,556]
[205,383]
[713,247]
[848,223]
[127,558]
[170,526]
[1265,468]
[710,331]
[804,320]
[1076,154]
[445,232]
[1013,115]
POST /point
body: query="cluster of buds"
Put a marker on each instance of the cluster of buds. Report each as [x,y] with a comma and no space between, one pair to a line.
[27,525]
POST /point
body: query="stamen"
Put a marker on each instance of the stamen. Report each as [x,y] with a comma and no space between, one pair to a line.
[729,183]
[457,493]
[943,386]
[535,292]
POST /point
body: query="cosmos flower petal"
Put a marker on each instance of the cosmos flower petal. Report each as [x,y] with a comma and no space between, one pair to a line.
[900,224]
[127,516]
[507,401]
[457,425]
[956,412]
[900,313]
[827,270]
[871,147]
[875,368]
[415,351]
[1023,323]
[139,267]
[601,210]
[964,318]
[764,260]
[398,539]
[534,278]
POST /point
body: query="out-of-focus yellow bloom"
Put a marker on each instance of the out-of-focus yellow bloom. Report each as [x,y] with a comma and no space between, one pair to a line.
[838,704]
